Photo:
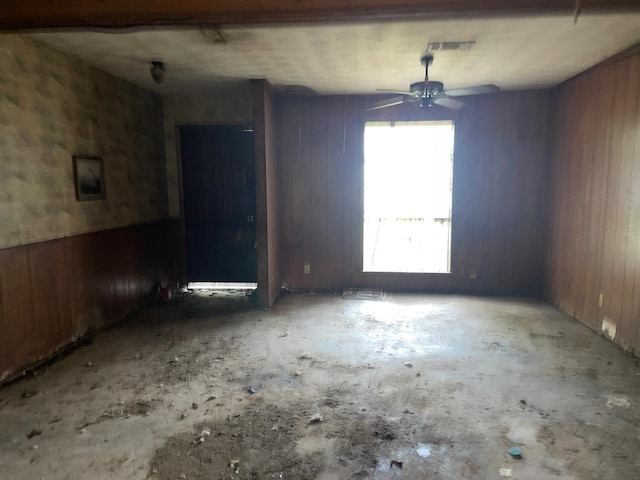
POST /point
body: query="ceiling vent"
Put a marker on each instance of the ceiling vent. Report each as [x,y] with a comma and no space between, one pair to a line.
[449,46]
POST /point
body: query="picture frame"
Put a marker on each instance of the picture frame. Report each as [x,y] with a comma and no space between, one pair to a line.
[88,175]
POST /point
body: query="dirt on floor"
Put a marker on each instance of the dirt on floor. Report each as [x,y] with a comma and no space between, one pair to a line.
[410,386]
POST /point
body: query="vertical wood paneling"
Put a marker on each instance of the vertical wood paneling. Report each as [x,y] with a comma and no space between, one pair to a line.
[317,218]
[500,173]
[627,237]
[53,292]
[584,189]
[633,275]
[337,187]
[46,302]
[630,217]
[17,313]
[285,186]
[500,193]
[351,173]
[617,203]
[273,208]
[594,226]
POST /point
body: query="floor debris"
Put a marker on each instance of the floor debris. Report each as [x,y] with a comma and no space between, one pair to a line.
[618,401]
[200,439]
[317,418]
[515,452]
[505,472]
[423,450]
[363,294]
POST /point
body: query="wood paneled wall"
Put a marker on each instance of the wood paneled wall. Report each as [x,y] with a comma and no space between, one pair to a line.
[267,233]
[594,240]
[499,204]
[54,292]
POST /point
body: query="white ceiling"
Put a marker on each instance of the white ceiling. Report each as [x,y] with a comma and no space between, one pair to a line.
[513,53]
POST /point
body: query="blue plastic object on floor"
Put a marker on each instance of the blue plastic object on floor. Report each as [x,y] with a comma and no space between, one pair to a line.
[515,452]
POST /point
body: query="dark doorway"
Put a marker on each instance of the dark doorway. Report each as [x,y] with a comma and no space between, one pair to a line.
[218,179]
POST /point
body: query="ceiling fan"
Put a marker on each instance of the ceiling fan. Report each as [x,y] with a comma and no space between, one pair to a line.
[428,93]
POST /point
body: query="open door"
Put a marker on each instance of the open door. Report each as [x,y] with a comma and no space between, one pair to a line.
[219,202]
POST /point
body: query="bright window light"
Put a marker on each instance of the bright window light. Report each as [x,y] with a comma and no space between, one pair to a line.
[408,169]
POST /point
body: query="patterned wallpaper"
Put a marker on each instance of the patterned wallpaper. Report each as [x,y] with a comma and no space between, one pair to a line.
[227,104]
[53,107]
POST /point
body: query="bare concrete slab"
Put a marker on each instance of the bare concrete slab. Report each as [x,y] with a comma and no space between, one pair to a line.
[412,387]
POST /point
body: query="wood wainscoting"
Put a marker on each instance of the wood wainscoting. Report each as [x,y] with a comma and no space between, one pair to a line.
[54,292]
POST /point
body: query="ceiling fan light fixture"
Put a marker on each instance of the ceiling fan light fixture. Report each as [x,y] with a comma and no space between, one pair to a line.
[426,102]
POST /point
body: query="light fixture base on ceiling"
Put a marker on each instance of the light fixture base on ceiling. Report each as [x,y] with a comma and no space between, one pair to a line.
[157,71]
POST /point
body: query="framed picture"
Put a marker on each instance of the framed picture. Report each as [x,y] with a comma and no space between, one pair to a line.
[88,173]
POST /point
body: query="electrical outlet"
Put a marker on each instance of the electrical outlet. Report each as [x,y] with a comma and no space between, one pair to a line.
[307,268]
[473,275]
[601,300]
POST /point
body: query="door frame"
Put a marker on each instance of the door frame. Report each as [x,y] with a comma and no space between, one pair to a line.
[267,252]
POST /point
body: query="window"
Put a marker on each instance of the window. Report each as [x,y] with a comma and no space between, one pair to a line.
[407,196]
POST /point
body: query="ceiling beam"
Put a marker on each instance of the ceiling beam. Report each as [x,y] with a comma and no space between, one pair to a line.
[19,14]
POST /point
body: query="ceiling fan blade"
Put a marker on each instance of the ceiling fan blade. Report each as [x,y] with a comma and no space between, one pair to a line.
[450,103]
[389,102]
[393,91]
[478,90]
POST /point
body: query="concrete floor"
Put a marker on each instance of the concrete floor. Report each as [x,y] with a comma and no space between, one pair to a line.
[167,396]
